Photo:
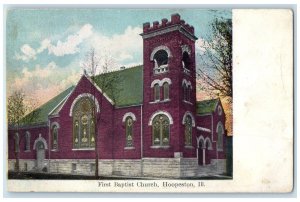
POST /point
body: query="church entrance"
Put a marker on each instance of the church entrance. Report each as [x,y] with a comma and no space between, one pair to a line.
[40,145]
[201,150]
[40,155]
[201,155]
[204,150]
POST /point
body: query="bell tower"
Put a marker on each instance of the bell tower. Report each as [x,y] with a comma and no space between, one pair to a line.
[169,88]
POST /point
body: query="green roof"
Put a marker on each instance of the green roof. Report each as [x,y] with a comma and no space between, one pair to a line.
[124,87]
[206,106]
[40,115]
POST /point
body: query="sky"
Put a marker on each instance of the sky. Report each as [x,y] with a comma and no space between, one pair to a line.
[45,48]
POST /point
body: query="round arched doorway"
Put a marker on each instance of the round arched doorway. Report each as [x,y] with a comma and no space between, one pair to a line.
[40,145]
[40,155]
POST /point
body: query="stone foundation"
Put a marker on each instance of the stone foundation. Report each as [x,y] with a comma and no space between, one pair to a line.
[161,167]
[147,167]
[189,167]
[24,165]
[127,167]
[220,165]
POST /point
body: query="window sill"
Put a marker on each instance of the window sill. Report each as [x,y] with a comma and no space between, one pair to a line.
[129,148]
[166,100]
[160,101]
[187,71]
[187,102]
[27,151]
[161,70]
[219,150]
[160,147]
[189,147]
[54,150]
[153,102]
[84,149]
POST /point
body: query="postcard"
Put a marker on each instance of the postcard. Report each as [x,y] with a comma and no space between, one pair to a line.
[149,100]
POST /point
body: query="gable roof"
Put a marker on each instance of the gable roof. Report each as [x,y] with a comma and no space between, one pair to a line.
[206,106]
[124,87]
[126,90]
[43,111]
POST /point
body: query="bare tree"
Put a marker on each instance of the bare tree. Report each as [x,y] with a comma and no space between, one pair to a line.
[216,61]
[21,111]
[92,66]
[215,69]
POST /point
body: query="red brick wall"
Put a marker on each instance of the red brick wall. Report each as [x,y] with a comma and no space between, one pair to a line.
[210,122]
[34,134]
[175,107]
[119,141]
[216,119]
[105,132]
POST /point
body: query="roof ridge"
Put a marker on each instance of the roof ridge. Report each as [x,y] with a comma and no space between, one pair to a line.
[54,97]
[119,70]
[207,100]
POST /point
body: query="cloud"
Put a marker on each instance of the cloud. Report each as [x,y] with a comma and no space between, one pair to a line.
[125,48]
[44,45]
[201,46]
[70,46]
[43,83]
[28,53]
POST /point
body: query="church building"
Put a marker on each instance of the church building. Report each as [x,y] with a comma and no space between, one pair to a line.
[143,120]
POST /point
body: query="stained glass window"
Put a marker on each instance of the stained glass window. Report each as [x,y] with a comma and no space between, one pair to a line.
[83,124]
[220,137]
[55,137]
[156,92]
[129,132]
[27,141]
[188,94]
[184,92]
[161,130]
[188,131]
[166,90]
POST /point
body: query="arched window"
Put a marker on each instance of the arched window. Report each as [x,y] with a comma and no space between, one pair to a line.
[184,92]
[55,137]
[166,91]
[161,58]
[17,142]
[129,131]
[27,141]
[188,130]
[160,130]
[186,60]
[83,124]
[156,92]
[188,96]
[220,133]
